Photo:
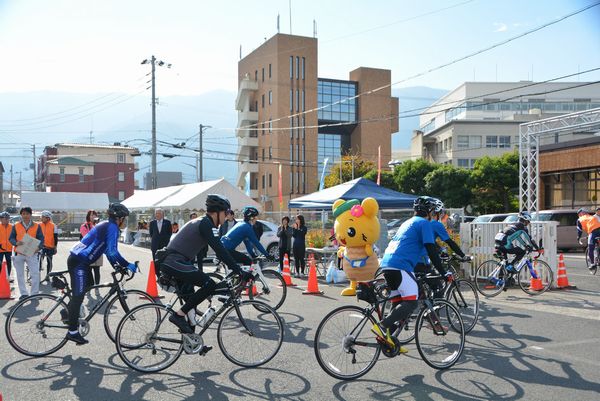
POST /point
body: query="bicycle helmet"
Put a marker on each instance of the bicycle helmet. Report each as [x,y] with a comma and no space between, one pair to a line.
[581,210]
[525,217]
[116,210]
[439,206]
[4,215]
[217,203]
[424,204]
[47,214]
[249,212]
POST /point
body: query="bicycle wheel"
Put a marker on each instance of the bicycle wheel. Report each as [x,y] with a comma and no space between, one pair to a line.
[34,327]
[587,258]
[490,278]
[543,272]
[344,345]
[463,295]
[115,311]
[146,341]
[272,291]
[250,333]
[440,334]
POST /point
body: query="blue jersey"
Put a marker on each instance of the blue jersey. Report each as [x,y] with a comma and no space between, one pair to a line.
[439,231]
[408,245]
[242,232]
[102,239]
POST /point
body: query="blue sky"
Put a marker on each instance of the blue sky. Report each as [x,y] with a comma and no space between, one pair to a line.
[97,46]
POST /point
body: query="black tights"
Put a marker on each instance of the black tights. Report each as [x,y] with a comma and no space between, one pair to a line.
[300,259]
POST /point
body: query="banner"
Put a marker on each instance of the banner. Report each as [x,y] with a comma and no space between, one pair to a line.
[379,165]
[322,182]
[248,184]
[280,189]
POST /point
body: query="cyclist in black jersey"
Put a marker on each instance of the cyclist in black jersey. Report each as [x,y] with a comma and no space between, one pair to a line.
[182,251]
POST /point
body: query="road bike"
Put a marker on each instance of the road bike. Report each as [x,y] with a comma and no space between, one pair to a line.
[588,262]
[346,348]
[36,326]
[249,333]
[533,276]
[269,284]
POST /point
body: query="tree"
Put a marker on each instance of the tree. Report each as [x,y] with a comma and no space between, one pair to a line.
[410,176]
[349,162]
[450,184]
[495,182]
[387,178]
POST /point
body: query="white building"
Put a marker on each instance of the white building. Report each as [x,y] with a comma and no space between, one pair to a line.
[482,118]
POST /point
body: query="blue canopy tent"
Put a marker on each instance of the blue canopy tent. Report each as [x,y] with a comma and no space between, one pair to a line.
[359,188]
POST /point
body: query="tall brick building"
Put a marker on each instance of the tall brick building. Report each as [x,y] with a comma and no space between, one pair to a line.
[69,167]
[278,122]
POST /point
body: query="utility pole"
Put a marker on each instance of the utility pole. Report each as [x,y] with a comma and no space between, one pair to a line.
[20,184]
[34,169]
[10,195]
[199,172]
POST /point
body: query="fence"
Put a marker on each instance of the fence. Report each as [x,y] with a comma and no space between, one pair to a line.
[477,239]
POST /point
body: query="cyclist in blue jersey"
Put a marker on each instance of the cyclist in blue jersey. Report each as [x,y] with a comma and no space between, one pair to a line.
[102,239]
[244,232]
[413,239]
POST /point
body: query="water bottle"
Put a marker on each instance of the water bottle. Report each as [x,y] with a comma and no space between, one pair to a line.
[192,317]
[206,317]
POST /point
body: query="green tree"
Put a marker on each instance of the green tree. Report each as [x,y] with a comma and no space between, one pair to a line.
[387,178]
[410,176]
[349,162]
[450,184]
[495,183]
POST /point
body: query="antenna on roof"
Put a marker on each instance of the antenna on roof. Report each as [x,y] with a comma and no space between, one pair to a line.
[290,3]
[314,28]
[240,52]
[277,22]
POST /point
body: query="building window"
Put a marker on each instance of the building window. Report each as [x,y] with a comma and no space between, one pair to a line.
[336,100]
[263,157]
[291,67]
[270,97]
[303,183]
[303,63]
[297,100]
[303,101]
[291,100]
[121,195]
[491,141]
[472,163]
[62,174]
[504,141]
[121,176]
[120,157]
[328,147]
[464,163]
[291,127]
[297,67]
[270,180]
[256,75]
[270,126]
[263,100]
[255,106]
[291,182]
[297,182]
[475,142]
[303,153]
[270,71]
[463,141]
[81,176]
[291,153]
[303,127]
[263,74]
[270,154]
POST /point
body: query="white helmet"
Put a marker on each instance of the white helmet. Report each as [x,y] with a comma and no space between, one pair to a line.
[47,214]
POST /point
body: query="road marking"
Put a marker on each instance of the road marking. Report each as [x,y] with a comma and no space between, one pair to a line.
[590,314]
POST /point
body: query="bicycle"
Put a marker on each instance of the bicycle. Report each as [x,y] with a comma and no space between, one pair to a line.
[588,262]
[269,284]
[492,276]
[345,332]
[147,342]
[37,325]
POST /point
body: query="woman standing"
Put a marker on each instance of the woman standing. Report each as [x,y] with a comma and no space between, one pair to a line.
[299,234]
[91,219]
[284,232]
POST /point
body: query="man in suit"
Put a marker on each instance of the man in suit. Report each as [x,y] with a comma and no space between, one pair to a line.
[160,233]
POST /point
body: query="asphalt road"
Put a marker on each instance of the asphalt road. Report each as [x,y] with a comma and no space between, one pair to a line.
[529,348]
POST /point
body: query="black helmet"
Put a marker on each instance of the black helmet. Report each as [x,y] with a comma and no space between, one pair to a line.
[250,211]
[117,210]
[217,203]
[525,216]
[424,204]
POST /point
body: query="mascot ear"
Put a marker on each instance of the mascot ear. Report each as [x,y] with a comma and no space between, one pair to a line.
[370,206]
[337,203]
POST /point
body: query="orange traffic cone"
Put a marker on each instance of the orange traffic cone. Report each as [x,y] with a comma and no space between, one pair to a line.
[313,284]
[254,291]
[287,277]
[562,280]
[151,288]
[4,284]
[535,284]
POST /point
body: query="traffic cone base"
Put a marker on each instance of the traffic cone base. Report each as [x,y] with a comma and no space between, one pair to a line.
[4,284]
[313,284]
[151,287]
[254,291]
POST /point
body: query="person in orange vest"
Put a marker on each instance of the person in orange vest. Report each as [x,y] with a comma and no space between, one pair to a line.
[26,226]
[50,232]
[591,225]
[5,245]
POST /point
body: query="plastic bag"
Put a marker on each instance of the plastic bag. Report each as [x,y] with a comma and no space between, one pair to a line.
[329,276]
[339,276]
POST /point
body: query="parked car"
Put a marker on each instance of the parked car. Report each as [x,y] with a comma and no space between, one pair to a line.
[511,218]
[490,218]
[393,225]
[566,232]
[269,240]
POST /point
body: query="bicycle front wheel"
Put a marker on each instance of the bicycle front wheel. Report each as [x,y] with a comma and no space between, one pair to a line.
[543,273]
[271,291]
[115,311]
[34,327]
[463,295]
[344,345]
[490,278]
[146,341]
[440,334]
[250,333]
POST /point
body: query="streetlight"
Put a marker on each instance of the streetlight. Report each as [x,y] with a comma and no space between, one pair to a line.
[160,63]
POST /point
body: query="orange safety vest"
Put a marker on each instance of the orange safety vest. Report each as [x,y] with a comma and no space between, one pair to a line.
[4,235]
[589,223]
[20,229]
[48,231]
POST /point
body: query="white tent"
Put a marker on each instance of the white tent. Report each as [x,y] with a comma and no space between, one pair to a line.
[188,196]
[64,201]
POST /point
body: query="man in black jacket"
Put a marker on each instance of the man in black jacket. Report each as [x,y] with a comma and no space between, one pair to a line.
[160,233]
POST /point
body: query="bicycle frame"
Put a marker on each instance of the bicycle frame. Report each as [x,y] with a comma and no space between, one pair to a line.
[255,268]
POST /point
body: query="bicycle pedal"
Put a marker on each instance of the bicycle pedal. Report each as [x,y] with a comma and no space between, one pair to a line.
[205,350]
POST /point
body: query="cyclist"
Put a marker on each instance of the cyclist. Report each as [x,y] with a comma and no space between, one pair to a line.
[50,232]
[414,238]
[181,254]
[244,232]
[591,225]
[103,238]
[515,240]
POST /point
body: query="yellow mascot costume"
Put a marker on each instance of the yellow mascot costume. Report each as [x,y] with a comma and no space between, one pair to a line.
[357,229]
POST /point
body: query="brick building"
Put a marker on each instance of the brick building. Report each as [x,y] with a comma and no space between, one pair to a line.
[278,123]
[88,168]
